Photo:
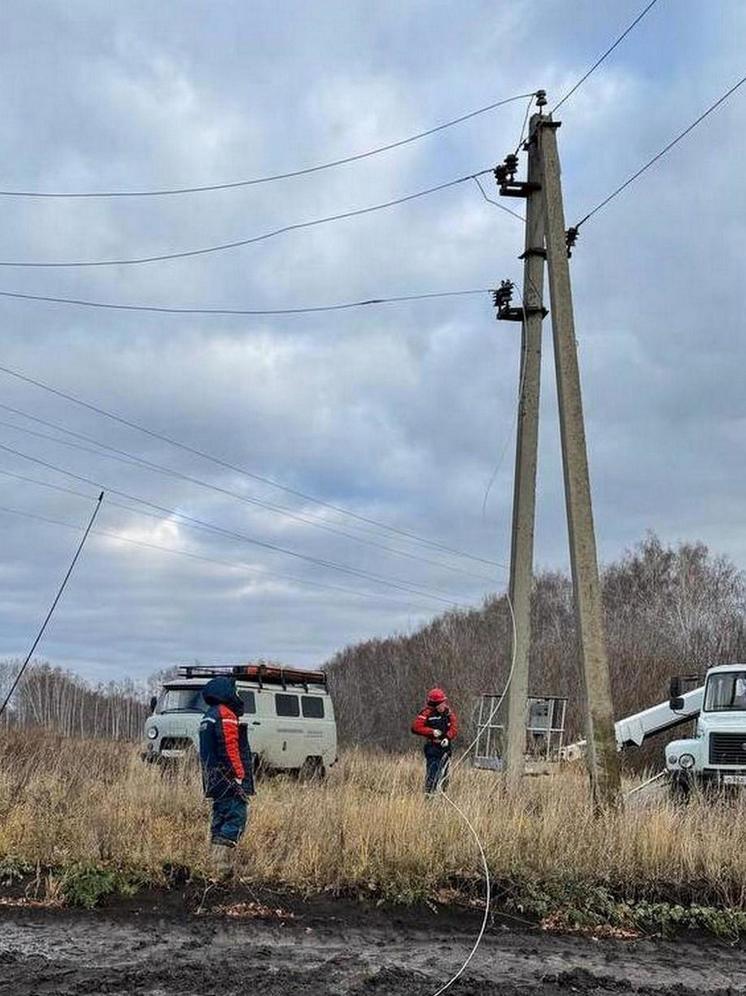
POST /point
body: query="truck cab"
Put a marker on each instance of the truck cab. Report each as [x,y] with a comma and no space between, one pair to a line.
[289,714]
[716,754]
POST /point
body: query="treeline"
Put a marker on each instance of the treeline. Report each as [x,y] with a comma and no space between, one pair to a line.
[668,610]
[55,699]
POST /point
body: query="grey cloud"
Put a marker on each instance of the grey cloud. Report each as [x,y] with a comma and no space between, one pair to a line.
[400,413]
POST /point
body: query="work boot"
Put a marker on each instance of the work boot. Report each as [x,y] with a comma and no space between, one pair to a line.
[222,853]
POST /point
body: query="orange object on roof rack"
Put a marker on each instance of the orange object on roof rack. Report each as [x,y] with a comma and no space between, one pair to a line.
[261,673]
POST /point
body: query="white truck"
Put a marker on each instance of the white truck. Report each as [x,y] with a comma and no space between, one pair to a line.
[288,711]
[715,756]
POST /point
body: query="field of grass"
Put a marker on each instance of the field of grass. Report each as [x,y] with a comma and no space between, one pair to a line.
[92,807]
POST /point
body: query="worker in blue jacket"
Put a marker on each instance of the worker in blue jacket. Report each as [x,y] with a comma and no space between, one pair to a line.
[227,764]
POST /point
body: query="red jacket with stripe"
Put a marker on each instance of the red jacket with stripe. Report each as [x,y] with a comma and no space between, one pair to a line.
[429,722]
[227,764]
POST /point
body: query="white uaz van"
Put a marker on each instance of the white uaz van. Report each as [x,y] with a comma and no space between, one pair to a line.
[289,714]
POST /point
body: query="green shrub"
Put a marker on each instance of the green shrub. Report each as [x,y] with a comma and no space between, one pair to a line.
[87,885]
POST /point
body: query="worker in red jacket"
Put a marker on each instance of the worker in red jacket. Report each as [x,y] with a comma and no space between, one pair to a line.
[439,725]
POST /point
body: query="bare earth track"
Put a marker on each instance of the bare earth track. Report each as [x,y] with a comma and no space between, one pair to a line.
[325,948]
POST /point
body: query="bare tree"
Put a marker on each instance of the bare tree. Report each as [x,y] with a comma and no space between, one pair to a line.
[668,609]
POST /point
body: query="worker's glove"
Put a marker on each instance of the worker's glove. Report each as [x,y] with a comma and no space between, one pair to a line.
[444,742]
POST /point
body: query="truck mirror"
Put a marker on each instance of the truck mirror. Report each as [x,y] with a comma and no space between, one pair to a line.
[153,703]
[676,703]
[675,687]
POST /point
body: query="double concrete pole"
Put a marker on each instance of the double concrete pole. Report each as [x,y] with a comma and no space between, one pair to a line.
[545,220]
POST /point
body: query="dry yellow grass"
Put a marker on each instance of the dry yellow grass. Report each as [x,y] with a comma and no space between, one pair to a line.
[366,828]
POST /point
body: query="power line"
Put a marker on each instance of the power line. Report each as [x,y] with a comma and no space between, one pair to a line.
[236,565]
[525,122]
[316,309]
[414,537]
[305,171]
[53,606]
[238,243]
[114,453]
[608,52]
[497,204]
[397,583]
[663,151]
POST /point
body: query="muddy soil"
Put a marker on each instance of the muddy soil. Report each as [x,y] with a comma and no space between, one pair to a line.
[272,946]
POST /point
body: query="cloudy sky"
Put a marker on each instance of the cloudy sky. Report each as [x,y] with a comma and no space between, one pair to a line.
[399,414]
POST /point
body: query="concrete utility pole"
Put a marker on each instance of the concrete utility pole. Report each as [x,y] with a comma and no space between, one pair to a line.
[527,436]
[602,757]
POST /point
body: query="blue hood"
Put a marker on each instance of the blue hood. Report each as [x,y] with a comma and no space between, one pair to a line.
[222,691]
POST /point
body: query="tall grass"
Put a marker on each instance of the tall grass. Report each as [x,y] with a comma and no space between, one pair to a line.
[367,828]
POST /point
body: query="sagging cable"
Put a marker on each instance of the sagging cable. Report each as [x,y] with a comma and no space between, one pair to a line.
[53,606]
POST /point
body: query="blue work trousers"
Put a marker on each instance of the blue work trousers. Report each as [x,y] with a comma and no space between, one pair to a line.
[229,816]
[437,763]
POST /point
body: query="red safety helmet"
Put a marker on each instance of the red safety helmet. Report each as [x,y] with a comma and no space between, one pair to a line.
[435,696]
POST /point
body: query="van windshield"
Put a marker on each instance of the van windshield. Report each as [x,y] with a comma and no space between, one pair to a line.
[188,699]
[726,692]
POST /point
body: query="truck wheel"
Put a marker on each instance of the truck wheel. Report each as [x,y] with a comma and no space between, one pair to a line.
[312,770]
[679,789]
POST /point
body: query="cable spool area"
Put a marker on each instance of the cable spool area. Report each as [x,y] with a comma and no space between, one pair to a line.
[585,806]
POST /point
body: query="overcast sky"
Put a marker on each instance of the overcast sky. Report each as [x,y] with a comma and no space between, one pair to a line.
[398,413]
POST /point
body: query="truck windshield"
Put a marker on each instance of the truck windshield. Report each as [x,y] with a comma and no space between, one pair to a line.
[726,691]
[182,700]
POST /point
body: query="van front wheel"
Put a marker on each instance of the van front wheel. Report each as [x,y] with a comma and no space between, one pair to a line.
[312,770]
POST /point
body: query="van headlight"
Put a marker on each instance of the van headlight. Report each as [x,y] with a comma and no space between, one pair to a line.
[686,761]
[152,732]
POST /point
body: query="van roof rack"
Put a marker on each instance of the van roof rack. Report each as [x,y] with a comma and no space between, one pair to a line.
[264,674]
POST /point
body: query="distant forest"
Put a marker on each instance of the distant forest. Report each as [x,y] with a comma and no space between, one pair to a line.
[59,700]
[669,610]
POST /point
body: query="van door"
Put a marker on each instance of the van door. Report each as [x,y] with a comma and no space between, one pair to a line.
[250,718]
[320,730]
[288,730]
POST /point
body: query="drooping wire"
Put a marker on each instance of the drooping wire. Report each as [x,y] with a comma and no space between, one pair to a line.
[497,204]
[472,830]
[185,447]
[275,176]
[53,606]
[399,584]
[663,151]
[243,312]
[509,434]
[263,572]
[523,126]
[115,453]
[602,58]
[238,243]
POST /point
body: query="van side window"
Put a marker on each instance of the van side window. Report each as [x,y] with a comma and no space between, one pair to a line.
[249,701]
[313,706]
[287,705]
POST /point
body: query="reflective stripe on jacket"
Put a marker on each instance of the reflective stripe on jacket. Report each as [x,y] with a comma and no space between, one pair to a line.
[227,764]
[430,719]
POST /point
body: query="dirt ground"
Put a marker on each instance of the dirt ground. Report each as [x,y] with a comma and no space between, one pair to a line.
[270,946]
